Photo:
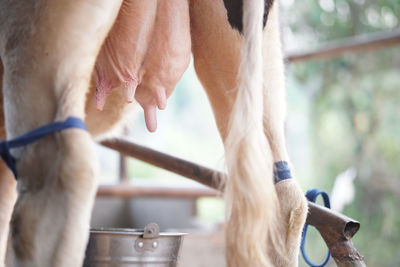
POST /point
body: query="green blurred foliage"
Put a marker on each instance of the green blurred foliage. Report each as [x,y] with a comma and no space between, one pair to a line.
[355,114]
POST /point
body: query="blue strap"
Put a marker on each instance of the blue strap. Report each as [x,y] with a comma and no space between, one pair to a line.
[312,195]
[35,135]
[281,171]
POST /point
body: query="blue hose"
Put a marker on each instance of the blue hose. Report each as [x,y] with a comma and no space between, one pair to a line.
[312,195]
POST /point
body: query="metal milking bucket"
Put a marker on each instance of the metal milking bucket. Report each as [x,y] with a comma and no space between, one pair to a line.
[133,247]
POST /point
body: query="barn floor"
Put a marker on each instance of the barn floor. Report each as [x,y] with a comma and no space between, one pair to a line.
[203,249]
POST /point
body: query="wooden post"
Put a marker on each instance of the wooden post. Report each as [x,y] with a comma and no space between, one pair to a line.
[123,175]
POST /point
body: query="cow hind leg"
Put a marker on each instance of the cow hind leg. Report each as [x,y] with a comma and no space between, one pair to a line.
[217,49]
[252,206]
[48,49]
[293,207]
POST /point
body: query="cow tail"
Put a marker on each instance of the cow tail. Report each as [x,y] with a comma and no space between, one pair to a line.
[250,194]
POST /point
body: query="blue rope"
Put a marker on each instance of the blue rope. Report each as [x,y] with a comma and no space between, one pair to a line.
[35,135]
[281,171]
[312,195]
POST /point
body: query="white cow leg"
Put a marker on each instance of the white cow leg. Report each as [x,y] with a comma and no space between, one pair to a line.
[293,206]
[217,56]
[48,49]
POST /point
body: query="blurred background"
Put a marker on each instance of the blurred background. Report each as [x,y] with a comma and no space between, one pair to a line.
[343,136]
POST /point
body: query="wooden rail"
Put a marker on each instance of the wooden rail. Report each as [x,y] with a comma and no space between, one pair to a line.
[201,174]
[336,229]
[126,190]
[352,44]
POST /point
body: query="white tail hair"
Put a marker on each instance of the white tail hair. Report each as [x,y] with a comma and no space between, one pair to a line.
[250,194]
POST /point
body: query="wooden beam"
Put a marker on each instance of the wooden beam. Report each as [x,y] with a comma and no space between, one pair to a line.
[201,174]
[126,190]
[353,44]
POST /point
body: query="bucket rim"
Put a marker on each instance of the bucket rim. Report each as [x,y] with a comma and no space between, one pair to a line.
[129,231]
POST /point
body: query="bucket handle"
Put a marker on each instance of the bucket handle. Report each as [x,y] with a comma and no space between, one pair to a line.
[149,240]
[151,231]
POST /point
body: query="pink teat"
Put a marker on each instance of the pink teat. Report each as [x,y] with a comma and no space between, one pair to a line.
[123,51]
